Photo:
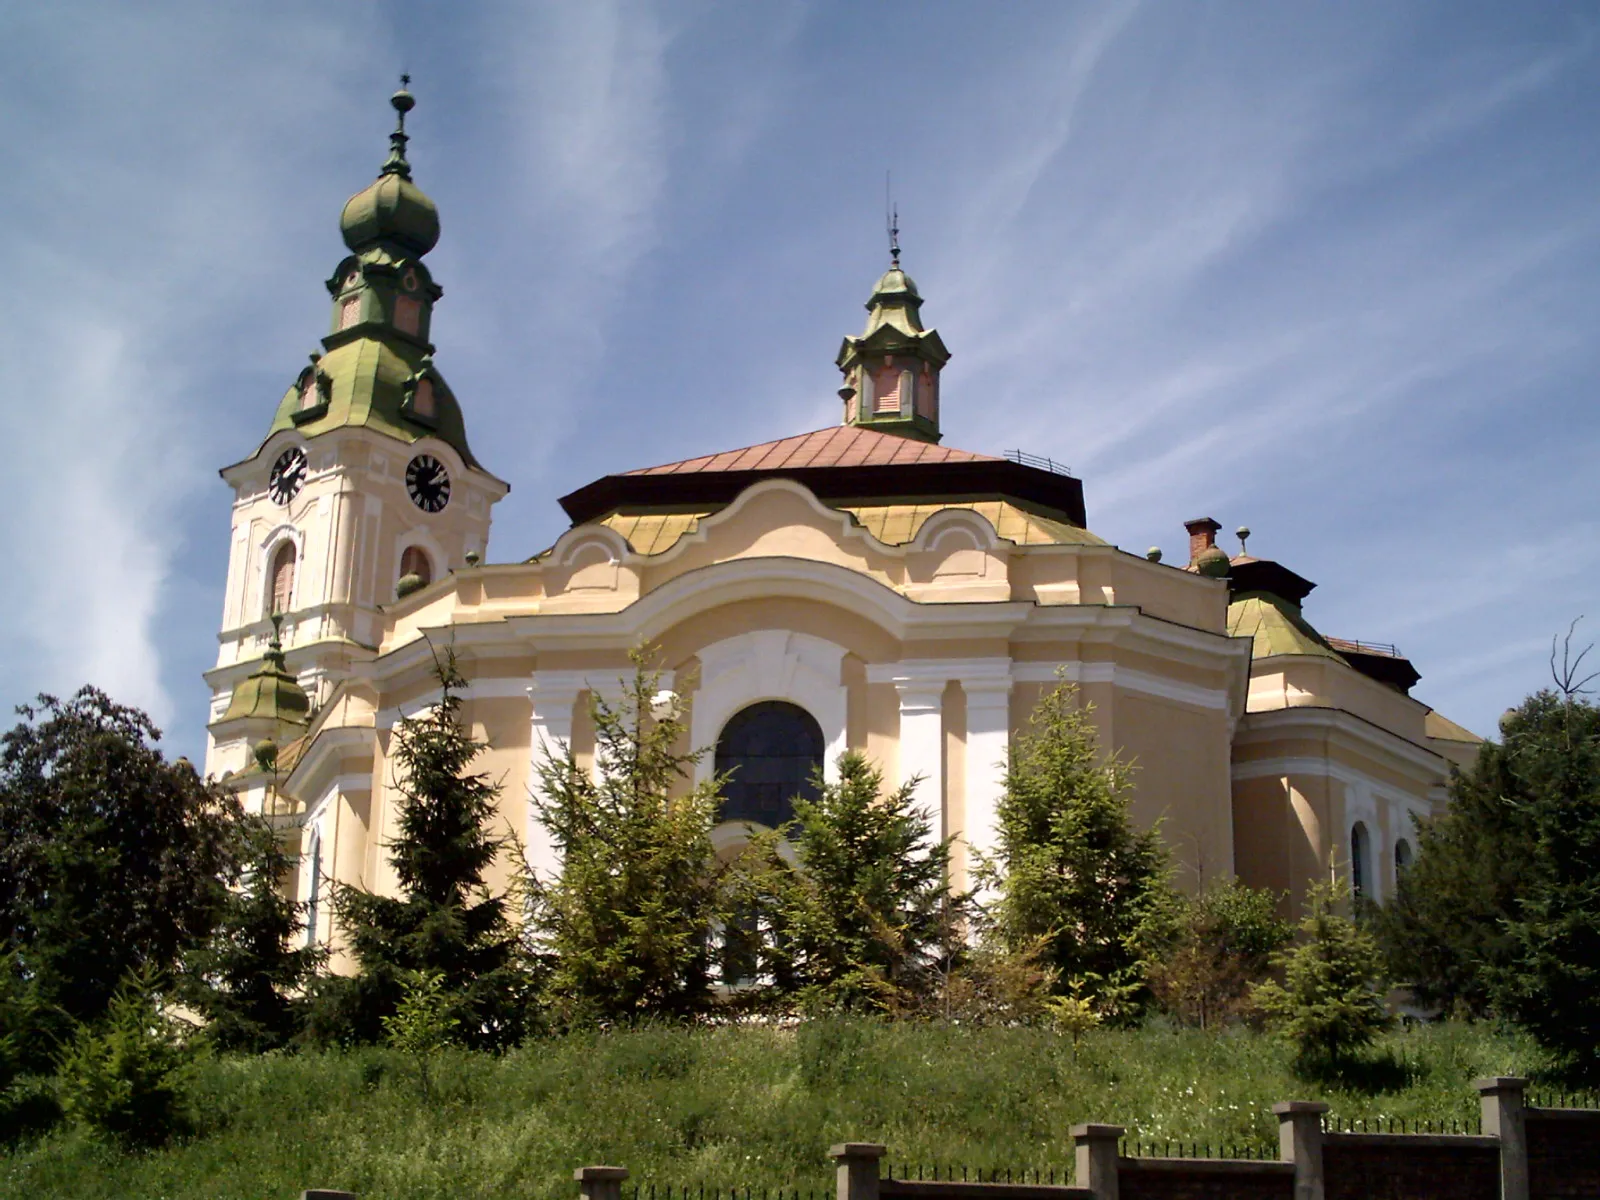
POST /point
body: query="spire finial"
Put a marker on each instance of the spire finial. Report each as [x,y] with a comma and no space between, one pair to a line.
[892,220]
[403,102]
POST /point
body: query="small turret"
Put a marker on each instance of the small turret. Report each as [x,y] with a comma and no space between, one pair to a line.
[891,372]
[271,694]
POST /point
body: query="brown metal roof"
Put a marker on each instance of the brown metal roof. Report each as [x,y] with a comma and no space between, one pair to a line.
[838,446]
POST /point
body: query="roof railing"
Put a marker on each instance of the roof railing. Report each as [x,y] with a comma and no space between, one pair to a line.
[1385,648]
[1036,461]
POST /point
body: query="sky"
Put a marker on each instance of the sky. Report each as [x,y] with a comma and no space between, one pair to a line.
[1331,271]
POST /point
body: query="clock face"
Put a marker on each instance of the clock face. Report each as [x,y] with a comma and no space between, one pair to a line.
[428,483]
[288,473]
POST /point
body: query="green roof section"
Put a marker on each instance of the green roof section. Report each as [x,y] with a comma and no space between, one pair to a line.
[369,381]
[270,693]
[1275,627]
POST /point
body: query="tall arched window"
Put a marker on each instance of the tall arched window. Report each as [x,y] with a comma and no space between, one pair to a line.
[772,750]
[414,561]
[1402,856]
[282,578]
[313,885]
[1360,860]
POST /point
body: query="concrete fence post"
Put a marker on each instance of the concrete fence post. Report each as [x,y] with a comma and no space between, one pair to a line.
[857,1171]
[600,1183]
[1096,1158]
[1300,1143]
[1504,1105]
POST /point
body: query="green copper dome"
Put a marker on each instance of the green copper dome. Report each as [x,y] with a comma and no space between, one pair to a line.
[270,692]
[894,283]
[392,212]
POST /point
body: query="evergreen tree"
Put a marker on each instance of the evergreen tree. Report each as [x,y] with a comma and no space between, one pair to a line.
[247,979]
[1550,983]
[1445,932]
[860,919]
[1070,868]
[445,922]
[1330,1003]
[629,923]
[111,858]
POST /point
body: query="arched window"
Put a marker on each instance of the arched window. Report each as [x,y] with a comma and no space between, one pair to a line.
[310,393]
[349,312]
[772,751]
[1360,860]
[282,579]
[407,314]
[1402,856]
[313,885]
[414,561]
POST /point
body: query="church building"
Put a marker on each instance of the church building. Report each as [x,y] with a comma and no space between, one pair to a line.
[858,587]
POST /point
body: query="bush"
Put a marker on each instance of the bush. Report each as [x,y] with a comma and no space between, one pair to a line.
[1329,1006]
[128,1079]
[1227,936]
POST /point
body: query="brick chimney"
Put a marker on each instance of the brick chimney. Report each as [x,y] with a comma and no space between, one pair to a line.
[1202,536]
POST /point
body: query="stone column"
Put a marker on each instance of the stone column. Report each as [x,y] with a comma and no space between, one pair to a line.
[988,739]
[1096,1147]
[552,733]
[600,1183]
[1300,1142]
[922,744]
[857,1171]
[1504,1105]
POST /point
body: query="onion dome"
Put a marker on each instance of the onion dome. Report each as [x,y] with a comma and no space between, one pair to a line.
[392,212]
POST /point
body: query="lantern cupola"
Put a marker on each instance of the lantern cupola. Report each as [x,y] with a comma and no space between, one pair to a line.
[891,372]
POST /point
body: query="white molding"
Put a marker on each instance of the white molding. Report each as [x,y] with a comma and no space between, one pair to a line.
[943,670]
[1425,765]
[1128,679]
[328,745]
[769,664]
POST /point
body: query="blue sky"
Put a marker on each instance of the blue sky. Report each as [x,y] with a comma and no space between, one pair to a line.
[1328,270]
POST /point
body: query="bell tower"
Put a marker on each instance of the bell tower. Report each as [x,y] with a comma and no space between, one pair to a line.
[365,489]
[891,372]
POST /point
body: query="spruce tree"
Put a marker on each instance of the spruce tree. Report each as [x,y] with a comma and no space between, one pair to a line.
[248,979]
[1329,1006]
[859,920]
[629,923]
[1446,930]
[445,922]
[1069,867]
[1550,982]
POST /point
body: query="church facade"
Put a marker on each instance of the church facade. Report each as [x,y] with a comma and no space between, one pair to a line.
[857,587]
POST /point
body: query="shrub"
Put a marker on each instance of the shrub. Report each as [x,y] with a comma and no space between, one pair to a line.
[128,1078]
[1227,936]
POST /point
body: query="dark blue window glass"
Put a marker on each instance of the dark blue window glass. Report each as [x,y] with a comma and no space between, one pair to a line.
[772,750]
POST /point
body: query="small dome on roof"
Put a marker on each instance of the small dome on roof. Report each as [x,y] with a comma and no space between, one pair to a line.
[1212,561]
[894,282]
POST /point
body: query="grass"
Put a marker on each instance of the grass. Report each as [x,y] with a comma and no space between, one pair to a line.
[749,1106]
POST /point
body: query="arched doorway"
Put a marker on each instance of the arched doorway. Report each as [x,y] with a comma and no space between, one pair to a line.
[772,751]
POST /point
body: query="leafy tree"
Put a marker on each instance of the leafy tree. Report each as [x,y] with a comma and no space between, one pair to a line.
[1330,1003]
[1226,937]
[112,859]
[629,923]
[445,922]
[1069,866]
[247,979]
[859,920]
[422,1024]
[1550,982]
[128,1077]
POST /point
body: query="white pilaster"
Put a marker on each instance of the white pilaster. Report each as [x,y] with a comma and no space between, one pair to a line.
[988,741]
[553,701]
[922,745]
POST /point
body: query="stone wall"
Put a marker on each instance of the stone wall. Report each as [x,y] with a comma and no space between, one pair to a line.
[1563,1153]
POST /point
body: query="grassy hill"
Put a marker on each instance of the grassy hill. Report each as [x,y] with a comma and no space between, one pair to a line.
[746,1106]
